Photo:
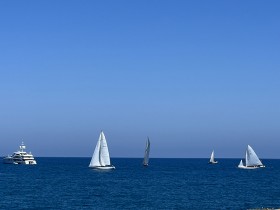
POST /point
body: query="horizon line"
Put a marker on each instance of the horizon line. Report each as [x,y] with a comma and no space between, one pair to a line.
[153,157]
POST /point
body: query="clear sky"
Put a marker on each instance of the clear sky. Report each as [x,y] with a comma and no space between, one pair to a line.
[192,75]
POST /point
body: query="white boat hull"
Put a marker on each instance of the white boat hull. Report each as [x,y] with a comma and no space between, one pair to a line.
[250,167]
[215,162]
[103,167]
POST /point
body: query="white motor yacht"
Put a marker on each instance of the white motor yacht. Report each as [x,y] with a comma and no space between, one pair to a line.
[20,157]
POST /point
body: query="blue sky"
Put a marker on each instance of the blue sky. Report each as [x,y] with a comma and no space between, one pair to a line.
[192,75]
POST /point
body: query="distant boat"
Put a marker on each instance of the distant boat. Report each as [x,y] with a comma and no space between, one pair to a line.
[147,152]
[252,161]
[20,157]
[101,158]
[212,160]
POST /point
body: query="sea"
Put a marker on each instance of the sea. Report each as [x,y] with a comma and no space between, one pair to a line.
[68,183]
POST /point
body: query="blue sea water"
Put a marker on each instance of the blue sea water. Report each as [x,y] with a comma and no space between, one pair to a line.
[68,183]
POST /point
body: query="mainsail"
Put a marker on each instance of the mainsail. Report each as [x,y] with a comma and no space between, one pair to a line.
[212,157]
[147,152]
[252,158]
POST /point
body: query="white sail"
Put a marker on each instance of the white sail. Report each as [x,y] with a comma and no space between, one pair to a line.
[95,160]
[252,158]
[104,152]
[212,157]
[147,152]
[241,164]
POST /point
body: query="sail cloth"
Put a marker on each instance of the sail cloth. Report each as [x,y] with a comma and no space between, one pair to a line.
[241,163]
[95,157]
[252,158]
[147,153]
[104,152]
[212,157]
[101,155]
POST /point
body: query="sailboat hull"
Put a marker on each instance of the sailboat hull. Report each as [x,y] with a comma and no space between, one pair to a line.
[215,162]
[103,167]
[250,167]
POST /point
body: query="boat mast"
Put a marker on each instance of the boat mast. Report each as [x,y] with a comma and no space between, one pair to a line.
[22,147]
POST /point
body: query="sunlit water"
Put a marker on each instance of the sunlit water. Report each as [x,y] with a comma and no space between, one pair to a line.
[68,183]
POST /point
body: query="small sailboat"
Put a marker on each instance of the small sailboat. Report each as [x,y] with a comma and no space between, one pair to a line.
[252,161]
[212,160]
[101,158]
[147,152]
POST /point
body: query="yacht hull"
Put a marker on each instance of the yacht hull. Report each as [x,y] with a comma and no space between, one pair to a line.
[22,162]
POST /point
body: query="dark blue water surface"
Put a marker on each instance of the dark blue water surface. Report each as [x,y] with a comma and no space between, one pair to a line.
[68,183]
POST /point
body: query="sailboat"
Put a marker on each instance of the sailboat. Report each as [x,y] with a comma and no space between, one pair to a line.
[101,158]
[147,152]
[212,160]
[252,161]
